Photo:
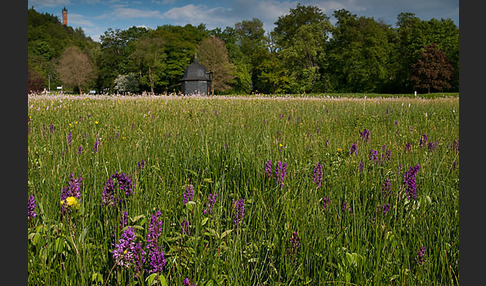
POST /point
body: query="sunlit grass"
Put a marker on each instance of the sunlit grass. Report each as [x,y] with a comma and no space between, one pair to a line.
[221,145]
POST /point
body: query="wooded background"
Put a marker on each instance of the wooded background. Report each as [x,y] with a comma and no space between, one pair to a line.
[304,53]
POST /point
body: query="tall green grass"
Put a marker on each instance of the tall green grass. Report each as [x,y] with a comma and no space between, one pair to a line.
[221,145]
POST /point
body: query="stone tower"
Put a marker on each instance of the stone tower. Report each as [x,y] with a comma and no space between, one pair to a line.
[64,16]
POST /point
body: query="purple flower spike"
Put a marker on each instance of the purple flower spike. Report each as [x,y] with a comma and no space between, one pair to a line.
[73,189]
[188,194]
[361,166]
[268,168]
[185,227]
[281,172]
[31,207]
[409,180]
[423,140]
[386,157]
[113,192]
[187,282]
[240,211]
[124,252]
[408,147]
[325,203]
[69,138]
[365,135]
[209,203]
[141,164]
[317,177]
[127,253]
[155,254]
[381,211]
[374,156]
[346,207]
[353,149]
[123,220]
[432,146]
[293,249]
[386,187]
[421,256]
[95,146]
[455,144]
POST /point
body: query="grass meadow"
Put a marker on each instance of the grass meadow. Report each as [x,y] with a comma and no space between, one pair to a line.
[243,191]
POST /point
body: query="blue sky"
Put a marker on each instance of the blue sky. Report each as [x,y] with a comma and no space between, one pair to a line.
[96,16]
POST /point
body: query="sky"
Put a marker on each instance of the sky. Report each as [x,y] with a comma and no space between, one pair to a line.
[97,16]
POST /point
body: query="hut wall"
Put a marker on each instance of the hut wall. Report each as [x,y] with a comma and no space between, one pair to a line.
[194,87]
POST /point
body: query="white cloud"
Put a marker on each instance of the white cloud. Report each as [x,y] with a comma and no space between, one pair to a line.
[165,2]
[79,20]
[124,13]
[197,14]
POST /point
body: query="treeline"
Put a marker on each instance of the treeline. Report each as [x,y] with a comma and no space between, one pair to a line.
[304,53]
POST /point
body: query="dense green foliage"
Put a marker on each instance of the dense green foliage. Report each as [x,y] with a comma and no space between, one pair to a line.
[221,145]
[304,53]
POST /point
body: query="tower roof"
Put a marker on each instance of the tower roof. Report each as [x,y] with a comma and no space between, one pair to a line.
[195,71]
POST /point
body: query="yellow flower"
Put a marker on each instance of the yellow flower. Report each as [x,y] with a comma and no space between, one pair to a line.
[340,150]
[280,145]
[96,122]
[71,201]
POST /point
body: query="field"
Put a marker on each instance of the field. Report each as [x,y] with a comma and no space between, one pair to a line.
[243,191]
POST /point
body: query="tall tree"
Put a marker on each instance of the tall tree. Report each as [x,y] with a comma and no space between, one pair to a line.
[251,39]
[116,47]
[359,53]
[212,54]
[413,34]
[35,82]
[75,68]
[47,38]
[150,58]
[287,26]
[242,81]
[179,48]
[300,37]
[127,83]
[432,70]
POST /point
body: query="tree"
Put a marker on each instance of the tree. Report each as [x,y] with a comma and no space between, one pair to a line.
[359,53]
[304,55]
[213,56]
[75,68]
[35,82]
[179,47]
[288,25]
[300,38]
[413,34]
[251,40]
[150,57]
[127,83]
[432,70]
[273,76]
[242,81]
[114,58]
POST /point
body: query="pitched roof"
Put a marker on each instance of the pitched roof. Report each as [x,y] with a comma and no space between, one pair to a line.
[195,71]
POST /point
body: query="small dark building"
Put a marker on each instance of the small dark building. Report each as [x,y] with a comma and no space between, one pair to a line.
[196,79]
